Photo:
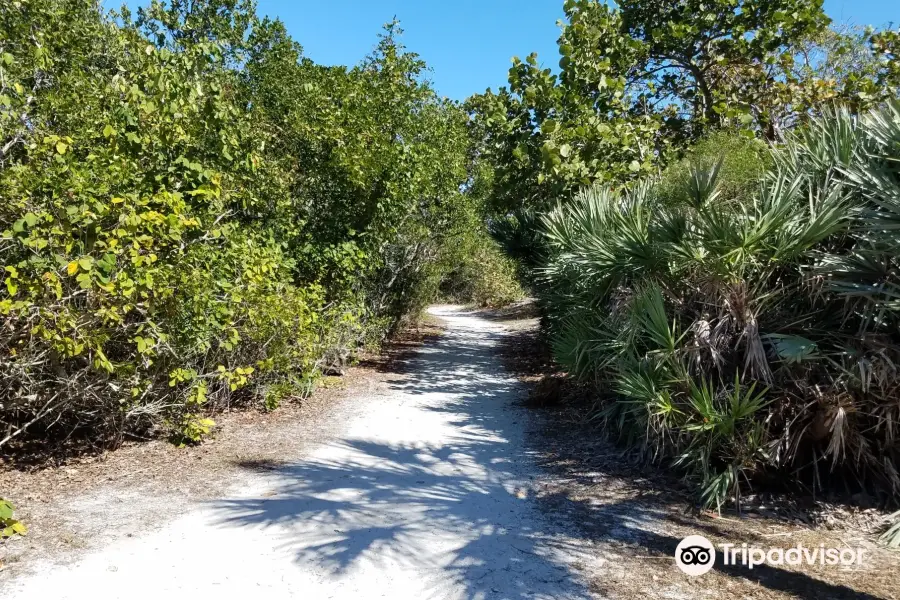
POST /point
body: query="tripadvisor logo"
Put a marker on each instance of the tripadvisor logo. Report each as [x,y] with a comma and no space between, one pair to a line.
[696,555]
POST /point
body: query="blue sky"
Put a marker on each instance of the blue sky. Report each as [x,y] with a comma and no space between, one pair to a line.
[467,43]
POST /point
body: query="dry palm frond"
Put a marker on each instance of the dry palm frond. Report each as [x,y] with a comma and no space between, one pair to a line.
[839,427]
[704,340]
[755,358]
[891,536]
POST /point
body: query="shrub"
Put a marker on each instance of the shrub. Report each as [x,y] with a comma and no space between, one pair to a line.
[8,525]
[483,274]
[742,162]
[518,234]
[194,216]
[748,334]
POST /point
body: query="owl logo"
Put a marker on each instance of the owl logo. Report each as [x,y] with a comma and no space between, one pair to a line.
[695,555]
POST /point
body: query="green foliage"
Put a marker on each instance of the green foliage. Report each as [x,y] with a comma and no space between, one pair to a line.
[518,235]
[482,275]
[852,66]
[739,313]
[639,83]
[193,214]
[9,526]
[742,322]
[192,429]
[886,50]
[740,162]
[891,536]
[548,134]
[709,62]
[278,392]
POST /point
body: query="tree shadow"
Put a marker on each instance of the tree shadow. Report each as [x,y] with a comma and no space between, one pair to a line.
[524,309]
[648,529]
[447,499]
[446,503]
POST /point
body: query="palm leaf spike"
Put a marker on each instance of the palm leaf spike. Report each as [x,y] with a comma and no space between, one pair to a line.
[891,536]
[703,184]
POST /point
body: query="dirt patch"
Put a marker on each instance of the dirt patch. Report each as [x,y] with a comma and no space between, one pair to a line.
[522,314]
[403,344]
[634,516]
[93,499]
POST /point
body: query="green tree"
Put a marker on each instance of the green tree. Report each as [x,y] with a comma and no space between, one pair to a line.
[707,60]
[849,66]
[194,215]
[639,83]
[547,134]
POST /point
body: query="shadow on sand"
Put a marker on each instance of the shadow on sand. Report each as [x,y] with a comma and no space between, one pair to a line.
[455,512]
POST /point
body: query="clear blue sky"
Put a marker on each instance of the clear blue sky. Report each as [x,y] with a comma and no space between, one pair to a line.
[467,43]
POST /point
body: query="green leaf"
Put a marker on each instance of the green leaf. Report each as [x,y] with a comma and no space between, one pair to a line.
[791,348]
[84,281]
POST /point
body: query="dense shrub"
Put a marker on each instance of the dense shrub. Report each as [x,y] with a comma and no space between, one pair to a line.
[737,312]
[744,331]
[484,276]
[743,160]
[477,270]
[193,215]
[518,234]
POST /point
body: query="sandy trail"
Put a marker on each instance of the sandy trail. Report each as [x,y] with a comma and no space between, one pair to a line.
[425,492]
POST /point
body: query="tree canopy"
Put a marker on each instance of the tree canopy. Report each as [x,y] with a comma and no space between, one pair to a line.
[194,214]
[639,82]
